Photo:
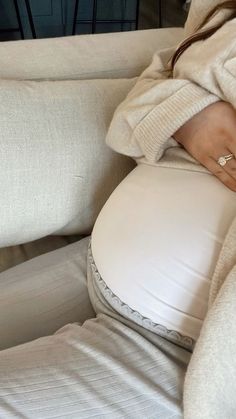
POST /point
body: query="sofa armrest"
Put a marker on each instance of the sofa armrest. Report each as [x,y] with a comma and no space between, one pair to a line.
[109,55]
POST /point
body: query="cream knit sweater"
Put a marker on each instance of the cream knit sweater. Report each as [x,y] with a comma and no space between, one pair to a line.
[142,127]
[143,124]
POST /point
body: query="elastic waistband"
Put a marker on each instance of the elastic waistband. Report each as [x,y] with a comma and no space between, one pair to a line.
[127,312]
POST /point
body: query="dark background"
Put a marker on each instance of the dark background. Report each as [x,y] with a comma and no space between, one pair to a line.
[55,17]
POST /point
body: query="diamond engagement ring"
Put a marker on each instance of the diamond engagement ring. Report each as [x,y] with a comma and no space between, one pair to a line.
[223,159]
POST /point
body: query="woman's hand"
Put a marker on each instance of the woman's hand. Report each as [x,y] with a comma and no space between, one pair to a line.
[209,135]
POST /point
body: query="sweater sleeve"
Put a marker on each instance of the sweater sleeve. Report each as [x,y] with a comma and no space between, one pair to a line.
[155,108]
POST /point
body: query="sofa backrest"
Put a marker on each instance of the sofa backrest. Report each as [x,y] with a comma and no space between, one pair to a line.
[110,55]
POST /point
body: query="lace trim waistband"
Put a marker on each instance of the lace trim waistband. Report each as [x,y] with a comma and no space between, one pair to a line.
[126,311]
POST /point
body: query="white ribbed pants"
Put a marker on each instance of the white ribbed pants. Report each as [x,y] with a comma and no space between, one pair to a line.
[104,367]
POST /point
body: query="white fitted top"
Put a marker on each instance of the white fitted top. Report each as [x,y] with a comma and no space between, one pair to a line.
[157,240]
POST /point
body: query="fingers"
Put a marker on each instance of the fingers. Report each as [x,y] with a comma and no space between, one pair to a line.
[228,178]
[230,167]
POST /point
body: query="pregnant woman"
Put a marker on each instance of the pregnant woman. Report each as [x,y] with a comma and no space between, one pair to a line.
[153,252]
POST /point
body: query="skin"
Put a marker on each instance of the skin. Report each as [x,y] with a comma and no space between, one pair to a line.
[211,134]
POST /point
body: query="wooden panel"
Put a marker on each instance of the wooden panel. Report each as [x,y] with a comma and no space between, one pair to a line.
[47,16]
[55,17]
[7,15]
[40,8]
[107,10]
[172,12]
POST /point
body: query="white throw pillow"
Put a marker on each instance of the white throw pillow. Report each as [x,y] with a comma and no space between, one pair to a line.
[56,170]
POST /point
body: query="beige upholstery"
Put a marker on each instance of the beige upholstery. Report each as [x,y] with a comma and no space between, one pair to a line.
[58,170]
[113,55]
[15,255]
[57,99]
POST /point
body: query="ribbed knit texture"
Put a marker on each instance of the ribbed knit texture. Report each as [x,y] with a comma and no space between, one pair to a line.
[171,114]
[142,127]
[105,367]
[157,106]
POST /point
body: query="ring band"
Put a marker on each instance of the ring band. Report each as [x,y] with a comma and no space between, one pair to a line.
[223,159]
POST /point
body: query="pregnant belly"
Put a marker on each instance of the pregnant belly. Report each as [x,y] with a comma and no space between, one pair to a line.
[157,240]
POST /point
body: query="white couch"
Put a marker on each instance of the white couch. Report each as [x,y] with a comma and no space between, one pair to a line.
[57,99]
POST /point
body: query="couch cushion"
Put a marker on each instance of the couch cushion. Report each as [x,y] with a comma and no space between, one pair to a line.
[109,55]
[56,171]
[15,255]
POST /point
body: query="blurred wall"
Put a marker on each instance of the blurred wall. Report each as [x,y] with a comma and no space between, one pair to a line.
[55,17]
[173,13]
